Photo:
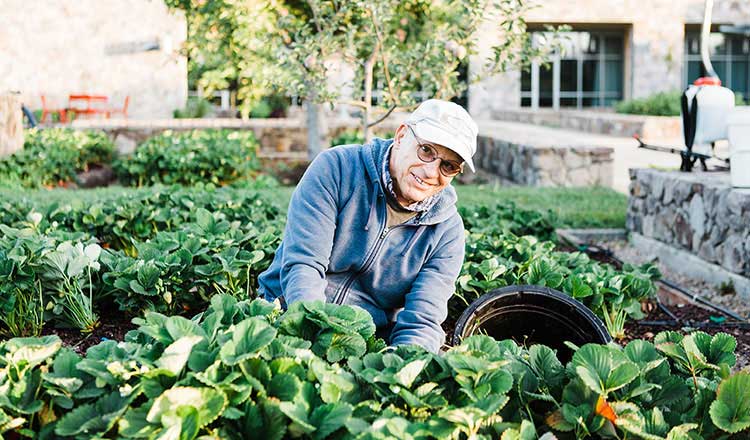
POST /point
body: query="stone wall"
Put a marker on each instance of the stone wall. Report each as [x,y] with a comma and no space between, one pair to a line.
[116,48]
[591,121]
[280,135]
[654,43]
[542,165]
[697,212]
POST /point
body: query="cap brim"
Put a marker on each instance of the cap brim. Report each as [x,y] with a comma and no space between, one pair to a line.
[437,135]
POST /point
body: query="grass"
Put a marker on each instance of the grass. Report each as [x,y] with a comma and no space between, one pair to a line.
[594,207]
[589,207]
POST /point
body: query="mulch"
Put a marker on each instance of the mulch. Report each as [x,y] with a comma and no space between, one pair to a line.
[690,318]
[112,328]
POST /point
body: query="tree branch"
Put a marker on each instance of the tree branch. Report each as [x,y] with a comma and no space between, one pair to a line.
[384,57]
[372,124]
[359,104]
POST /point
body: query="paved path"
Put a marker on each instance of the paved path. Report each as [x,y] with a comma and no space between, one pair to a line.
[626,152]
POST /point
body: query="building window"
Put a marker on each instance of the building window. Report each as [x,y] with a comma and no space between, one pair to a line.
[730,56]
[587,73]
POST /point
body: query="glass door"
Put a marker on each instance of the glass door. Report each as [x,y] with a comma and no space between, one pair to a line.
[587,73]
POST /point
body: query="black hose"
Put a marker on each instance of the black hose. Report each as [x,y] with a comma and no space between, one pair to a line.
[704,301]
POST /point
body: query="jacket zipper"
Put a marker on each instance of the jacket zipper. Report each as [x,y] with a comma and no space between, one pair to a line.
[340,297]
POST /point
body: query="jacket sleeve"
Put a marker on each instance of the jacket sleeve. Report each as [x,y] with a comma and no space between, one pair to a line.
[309,232]
[426,304]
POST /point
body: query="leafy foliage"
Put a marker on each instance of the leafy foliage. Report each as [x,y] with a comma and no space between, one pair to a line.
[244,369]
[658,104]
[54,156]
[269,47]
[187,158]
[196,107]
[496,257]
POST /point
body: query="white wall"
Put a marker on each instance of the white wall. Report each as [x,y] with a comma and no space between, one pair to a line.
[62,47]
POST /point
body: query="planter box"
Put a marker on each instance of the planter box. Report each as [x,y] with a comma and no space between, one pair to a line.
[699,213]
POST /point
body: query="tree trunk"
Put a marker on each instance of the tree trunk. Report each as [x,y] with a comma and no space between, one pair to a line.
[11,124]
[317,132]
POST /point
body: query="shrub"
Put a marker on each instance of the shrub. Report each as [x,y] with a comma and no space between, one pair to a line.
[187,158]
[272,106]
[54,156]
[659,104]
[196,107]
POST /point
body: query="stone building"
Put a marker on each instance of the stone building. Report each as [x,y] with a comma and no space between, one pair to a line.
[618,49]
[117,48]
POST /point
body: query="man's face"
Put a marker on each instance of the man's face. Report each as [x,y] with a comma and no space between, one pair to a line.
[413,179]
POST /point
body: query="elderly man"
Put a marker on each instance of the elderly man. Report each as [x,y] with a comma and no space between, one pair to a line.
[376,226]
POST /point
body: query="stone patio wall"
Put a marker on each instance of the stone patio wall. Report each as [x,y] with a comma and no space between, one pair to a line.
[597,121]
[697,212]
[544,165]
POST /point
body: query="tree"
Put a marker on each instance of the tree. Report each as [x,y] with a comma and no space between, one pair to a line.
[412,47]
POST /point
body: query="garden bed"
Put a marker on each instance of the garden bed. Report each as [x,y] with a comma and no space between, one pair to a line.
[159,280]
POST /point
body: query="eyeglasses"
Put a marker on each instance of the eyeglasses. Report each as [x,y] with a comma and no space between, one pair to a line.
[427,153]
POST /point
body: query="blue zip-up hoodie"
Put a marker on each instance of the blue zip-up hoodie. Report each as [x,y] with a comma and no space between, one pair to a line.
[336,248]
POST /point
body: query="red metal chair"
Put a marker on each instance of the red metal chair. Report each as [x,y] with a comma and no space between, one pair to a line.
[61,112]
[123,111]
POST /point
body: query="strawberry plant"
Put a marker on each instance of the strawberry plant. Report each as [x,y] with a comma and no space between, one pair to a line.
[500,259]
[244,369]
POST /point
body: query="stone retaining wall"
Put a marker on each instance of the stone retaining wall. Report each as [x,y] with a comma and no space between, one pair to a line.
[274,134]
[697,212]
[544,165]
[615,124]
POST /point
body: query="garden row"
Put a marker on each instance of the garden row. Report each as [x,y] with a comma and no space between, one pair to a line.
[67,257]
[57,157]
[244,370]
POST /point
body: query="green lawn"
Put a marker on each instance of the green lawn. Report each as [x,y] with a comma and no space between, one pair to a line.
[590,207]
[574,207]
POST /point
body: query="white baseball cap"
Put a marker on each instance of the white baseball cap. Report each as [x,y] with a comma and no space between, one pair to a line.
[447,124]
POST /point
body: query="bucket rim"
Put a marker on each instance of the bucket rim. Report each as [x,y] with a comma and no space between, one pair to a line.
[528,289]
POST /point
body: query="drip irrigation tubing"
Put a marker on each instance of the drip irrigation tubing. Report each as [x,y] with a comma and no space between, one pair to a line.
[592,249]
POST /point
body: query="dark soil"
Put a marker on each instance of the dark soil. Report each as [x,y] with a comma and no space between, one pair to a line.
[112,328]
[690,318]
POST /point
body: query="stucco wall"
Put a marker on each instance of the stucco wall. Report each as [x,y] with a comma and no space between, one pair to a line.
[654,32]
[62,47]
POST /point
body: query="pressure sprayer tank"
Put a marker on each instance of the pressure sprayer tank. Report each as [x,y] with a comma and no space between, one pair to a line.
[705,107]
[532,315]
[738,124]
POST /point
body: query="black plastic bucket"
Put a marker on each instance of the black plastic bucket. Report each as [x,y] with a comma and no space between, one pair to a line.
[532,315]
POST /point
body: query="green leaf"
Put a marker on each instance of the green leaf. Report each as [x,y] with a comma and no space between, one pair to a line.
[284,386]
[209,403]
[248,338]
[99,417]
[409,373]
[32,351]
[329,418]
[731,409]
[176,355]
